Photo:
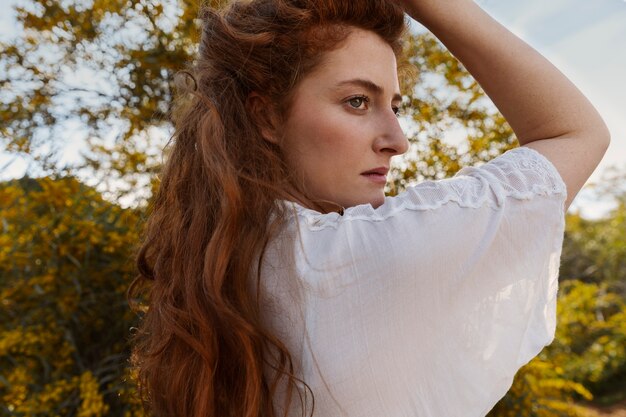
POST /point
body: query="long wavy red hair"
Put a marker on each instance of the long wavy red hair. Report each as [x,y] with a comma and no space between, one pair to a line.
[200,346]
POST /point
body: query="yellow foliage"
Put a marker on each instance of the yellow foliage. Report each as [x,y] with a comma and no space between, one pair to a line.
[539,389]
[64,319]
[92,404]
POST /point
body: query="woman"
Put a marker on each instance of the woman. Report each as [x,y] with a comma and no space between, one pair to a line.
[278,267]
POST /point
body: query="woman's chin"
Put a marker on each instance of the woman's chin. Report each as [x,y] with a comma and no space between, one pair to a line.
[377,204]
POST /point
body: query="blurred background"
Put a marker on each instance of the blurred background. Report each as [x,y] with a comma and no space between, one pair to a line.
[85,95]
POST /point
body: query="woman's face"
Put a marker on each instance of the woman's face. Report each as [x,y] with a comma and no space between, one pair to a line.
[343,122]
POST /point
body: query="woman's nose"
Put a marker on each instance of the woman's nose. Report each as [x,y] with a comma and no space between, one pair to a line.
[392,139]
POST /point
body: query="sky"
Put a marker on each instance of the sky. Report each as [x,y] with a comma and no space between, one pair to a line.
[584,39]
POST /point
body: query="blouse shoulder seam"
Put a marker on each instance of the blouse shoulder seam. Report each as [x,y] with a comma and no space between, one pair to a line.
[532,160]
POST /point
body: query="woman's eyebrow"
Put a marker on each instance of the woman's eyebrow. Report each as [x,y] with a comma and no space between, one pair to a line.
[369,85]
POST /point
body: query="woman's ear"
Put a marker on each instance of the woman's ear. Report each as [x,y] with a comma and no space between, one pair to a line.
[263,114]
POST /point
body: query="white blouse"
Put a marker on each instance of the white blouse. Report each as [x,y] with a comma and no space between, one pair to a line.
[426,306]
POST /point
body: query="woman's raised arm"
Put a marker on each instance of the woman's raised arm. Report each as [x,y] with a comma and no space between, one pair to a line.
[537,100]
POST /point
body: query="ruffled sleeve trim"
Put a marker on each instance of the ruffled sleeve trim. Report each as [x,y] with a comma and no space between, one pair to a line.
[520,173]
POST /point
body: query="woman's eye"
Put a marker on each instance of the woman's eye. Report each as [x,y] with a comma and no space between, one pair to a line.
[356,102]
[396,110]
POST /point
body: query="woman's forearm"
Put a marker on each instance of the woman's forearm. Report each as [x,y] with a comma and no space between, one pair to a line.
[536,99]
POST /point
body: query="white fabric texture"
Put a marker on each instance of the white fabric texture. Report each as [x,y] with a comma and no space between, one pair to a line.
[426,306]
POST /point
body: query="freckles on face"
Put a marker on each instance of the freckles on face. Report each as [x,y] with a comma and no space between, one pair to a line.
[339,128]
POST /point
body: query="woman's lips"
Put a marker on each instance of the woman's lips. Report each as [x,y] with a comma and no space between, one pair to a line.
[376,178]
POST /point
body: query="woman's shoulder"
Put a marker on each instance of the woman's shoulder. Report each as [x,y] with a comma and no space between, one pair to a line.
[520,173]
[471,261]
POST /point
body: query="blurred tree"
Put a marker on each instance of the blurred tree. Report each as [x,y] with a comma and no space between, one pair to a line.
[106,62]
[591,337]
[595,250]
[65,264]
[541,390]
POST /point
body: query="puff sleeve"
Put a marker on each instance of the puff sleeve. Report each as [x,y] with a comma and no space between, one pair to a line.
[429,305]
